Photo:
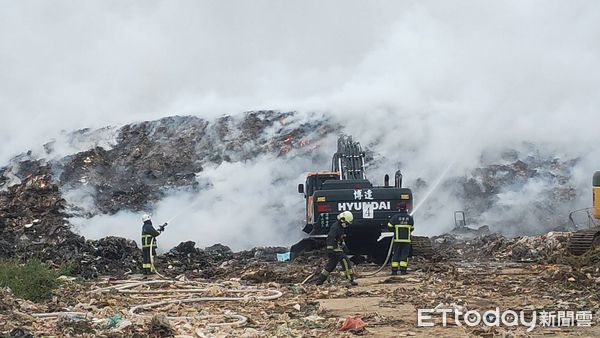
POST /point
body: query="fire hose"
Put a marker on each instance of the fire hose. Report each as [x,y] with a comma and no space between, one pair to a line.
[389,254]
[152,258]
[387,259]
[185,288]
[240,320]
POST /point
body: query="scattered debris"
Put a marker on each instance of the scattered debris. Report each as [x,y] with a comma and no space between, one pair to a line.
[300,311]
[549,248]
[160,326]
[20,333]
[354,325]
[70,324]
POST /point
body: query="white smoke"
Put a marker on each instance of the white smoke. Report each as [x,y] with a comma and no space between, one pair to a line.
[241,204]
[423,83]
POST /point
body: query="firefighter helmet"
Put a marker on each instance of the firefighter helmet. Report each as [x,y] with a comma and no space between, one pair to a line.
[146,218]
[346,216]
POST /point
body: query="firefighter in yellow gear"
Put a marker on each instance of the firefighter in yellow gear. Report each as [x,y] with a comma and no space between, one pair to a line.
[402,224]
[149,245]
[335,249]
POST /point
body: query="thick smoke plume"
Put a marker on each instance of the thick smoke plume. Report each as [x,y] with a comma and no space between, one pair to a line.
[241,205]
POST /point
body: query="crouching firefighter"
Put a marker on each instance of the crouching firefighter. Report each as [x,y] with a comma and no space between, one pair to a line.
[335,249]
[402,224]
[149,246]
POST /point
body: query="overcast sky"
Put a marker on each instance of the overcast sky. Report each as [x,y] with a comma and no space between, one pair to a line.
[528,65]
[76,63]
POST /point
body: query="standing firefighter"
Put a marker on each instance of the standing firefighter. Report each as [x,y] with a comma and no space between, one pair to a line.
[402,224]
[335,249]
[149,246]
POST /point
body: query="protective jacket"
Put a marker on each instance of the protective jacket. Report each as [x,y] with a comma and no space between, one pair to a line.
[335,254]
[402,224]
[148,233]
[148,247]
[335,237]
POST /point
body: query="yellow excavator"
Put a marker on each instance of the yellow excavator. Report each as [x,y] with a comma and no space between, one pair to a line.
[588,221]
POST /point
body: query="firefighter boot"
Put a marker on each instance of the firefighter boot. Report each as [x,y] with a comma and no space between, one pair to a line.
[322,278]
[403,271]
[394,271]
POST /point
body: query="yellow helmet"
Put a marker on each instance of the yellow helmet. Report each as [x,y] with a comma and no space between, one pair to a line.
[346,216]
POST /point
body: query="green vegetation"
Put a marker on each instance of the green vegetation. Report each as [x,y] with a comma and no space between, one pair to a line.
[31,280]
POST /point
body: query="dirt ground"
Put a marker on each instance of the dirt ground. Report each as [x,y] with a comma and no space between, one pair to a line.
[393,301]
[387,305]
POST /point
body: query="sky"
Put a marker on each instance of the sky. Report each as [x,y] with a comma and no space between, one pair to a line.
[434,81]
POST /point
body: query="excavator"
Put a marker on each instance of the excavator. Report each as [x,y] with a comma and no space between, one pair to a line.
[588,222]
[346,188]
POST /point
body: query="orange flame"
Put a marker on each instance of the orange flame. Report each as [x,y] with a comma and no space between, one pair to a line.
[288,140]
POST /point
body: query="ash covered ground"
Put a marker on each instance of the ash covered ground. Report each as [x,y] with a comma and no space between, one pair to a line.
[134,167]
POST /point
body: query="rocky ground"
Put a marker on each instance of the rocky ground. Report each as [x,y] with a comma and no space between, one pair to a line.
[522,274]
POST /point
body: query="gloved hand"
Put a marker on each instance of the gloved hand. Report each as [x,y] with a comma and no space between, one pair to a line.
[162,227]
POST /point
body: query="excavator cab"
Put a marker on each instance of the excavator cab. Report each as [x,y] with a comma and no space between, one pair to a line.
[314,182]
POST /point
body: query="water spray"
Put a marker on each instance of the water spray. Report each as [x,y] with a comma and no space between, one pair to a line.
[436,183]
[185,209]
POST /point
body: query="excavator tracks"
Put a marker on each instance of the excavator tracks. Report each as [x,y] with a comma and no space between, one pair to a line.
[583,240]
[421,246]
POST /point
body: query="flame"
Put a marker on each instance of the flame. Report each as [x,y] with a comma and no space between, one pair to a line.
[288,140]
[303,142]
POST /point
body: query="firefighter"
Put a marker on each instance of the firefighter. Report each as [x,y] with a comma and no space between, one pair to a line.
[335,249]
[149,246]
[402,224]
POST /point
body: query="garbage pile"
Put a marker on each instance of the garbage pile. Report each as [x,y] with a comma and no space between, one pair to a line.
[131,172]
[149,159]
[548,248]
[187,258]
[543,182]
[257,265]
[32,213]
[35,225]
